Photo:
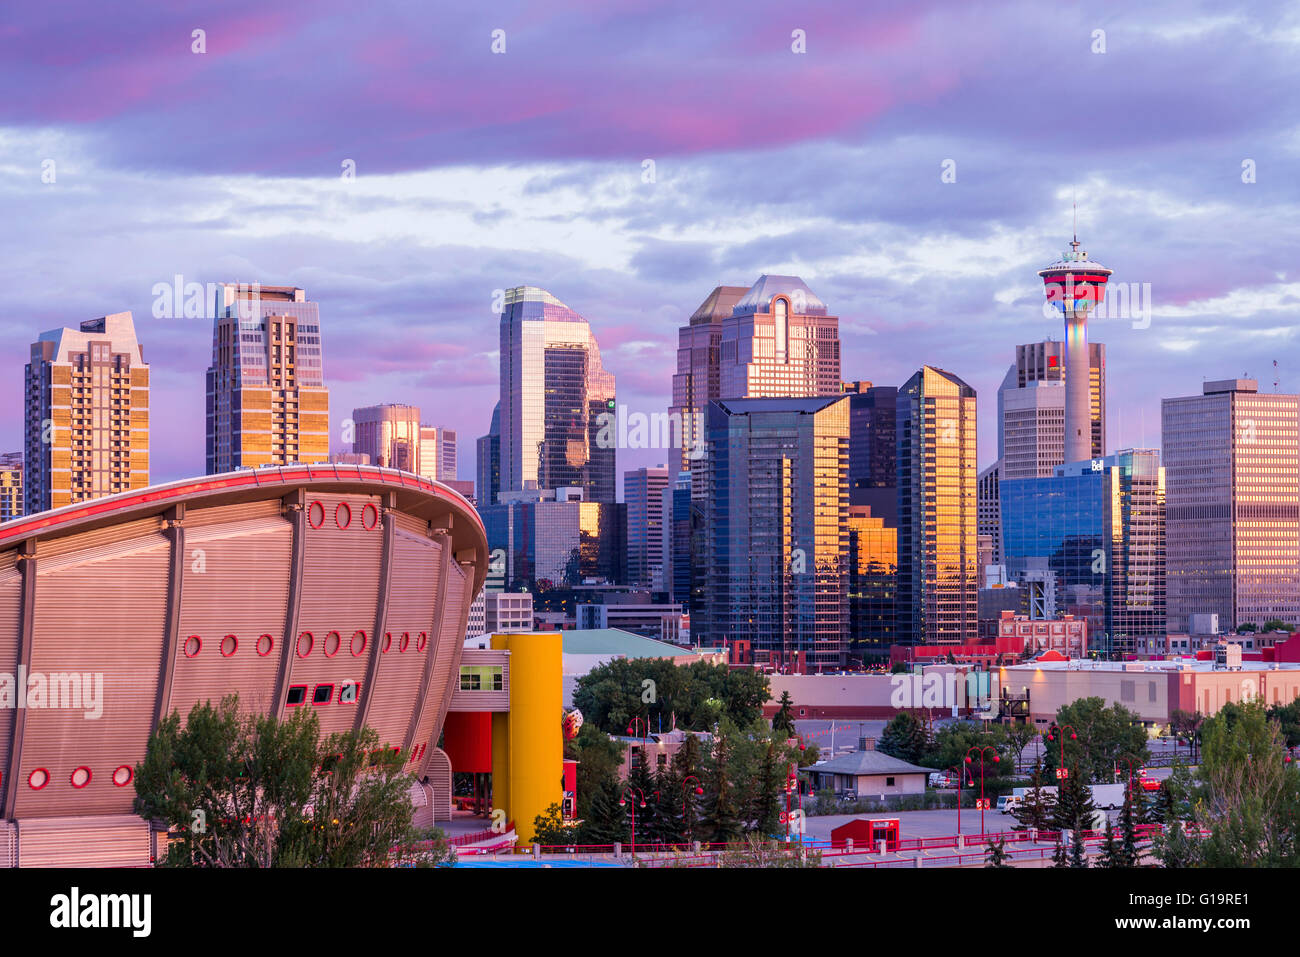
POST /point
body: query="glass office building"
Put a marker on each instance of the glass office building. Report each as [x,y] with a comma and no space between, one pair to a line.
[557,544]
[873,583]
[1095,530]
[774,492]
[554,392]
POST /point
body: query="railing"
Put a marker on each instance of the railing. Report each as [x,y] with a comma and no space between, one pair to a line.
[478,836]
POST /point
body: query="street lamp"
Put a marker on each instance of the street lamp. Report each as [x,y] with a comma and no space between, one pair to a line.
[622,802]
[980,752]
[1057,733]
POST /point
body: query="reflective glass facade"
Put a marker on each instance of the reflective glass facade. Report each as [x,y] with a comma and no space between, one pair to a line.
[643,490]
[779,341]
[553,391]
[695,384]
[774,497]
[938,577]
[1233,510]
[873,582]
[488,464]
[557,544]
[1097,530]
[873,449]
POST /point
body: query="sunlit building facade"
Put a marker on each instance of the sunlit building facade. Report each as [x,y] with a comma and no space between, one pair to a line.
[696,381]
[266,398]
[557,540]
[873,582]
[774,484]
[390,435]
[938,576]
[87,414]
[1231,459]
[1096,530]
[11,486]
[779,341]
[556,399]
[1045,362]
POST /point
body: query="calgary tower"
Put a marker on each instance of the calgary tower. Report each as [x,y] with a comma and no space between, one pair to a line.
[1074,285]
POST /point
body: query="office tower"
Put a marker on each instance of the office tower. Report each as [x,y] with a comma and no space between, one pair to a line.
[506,612]
[938,581]
[87,414]
[1044,362]
[1033,429]
[390,435]
[873,449]
[428,457]
[266,403]
[988,510]
[774,484]
[1232,505]
[643,491]
[779,342]
[555,399]
[11,486]
[1089,541]
[437,453]
[873,583]
[553,539]
[695,384]
[488,461]
[1074,284]
[446,451]
[677,514]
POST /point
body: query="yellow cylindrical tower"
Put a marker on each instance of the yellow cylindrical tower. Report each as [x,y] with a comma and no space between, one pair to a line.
[528,740]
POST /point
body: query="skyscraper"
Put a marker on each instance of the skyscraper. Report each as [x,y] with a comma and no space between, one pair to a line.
[1232,507]
[1090,541]
[437,453]
[678,539]
[938,580]
[446,451]
[266,398]
[779,341]
[775,529]
[1075,285]
[643,490]
[87,414]
[873,583]
[988,510]
[555,399]
[1045,362]
[390,435]
[488,461]
[873,449]
[695,384]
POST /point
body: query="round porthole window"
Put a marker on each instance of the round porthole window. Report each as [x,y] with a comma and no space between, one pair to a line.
[264,645]
[305,643]
[38,779]
[123,775]
[358,644]
[315,514]
[193,644]
[229,645]
[80,777]
[342,515]
[332,642]
[406,641]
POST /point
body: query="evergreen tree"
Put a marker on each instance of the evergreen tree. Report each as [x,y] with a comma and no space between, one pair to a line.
[904,738]
[1074,810]
[1035,810]
[1111,855]
[997,854]
[641,787]
[1060,857]
[783,720]
[690,772]
[1128,828]
[607,822]
[722,820]
[1174,849]
[1078,853]
[766,800]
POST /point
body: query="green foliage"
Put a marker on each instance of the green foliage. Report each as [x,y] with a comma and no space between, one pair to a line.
[1128,830]
[1276,624]
[953,742]
[1287,717]
[600,762]
[757,852]
[783,720]
[905,738]
[1106,738]
[1111,855]
[697,695]
[243,790]
[1073,809]
[550,828]
[1036,810]
[997,854]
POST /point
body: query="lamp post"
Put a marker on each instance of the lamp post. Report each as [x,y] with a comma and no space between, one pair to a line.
[980,752]
[1057,733]
[622,802]
[961,771]
[685,797]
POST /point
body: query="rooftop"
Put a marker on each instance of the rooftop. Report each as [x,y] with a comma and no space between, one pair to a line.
[867,762]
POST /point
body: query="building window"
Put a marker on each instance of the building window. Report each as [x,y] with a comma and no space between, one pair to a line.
[297,695]
[889,782]
[322,694]
[482,678]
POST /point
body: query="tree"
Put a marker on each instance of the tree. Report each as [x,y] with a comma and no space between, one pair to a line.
[1128,829]
[765,807]
[1074,809]
[660,693]
[607,822]
[687,764]
[1186,726]
[1035,810]
[904,738]
[600,765]
[783,720]
[754,851]
[1078,853]
[550,828]
[1246,628]
[953,741]
[246,790]
[1276,624]
[1106,738]
[1287,717]
[997,854]
[1174,849]
[1111,856]
[1018,737]
[722,820]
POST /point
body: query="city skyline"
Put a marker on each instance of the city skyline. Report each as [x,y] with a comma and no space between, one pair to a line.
[530,197]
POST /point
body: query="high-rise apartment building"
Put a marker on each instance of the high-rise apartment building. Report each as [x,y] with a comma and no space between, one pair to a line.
[487,462]
[1232,505]
[446,452]
[679,538]
[643,491]
[266,398]
[87,414]
[938,579]
[390,435]
[774,484]
[1089,541]
[11,486]
[556,399]
[696,382]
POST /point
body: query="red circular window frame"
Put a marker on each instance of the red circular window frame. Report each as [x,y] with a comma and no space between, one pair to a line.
[374,510]
[36,771]
[388,642]
[315,504]
[130,774]
[270,644]
[422,641]
[197,648]
[405,642]
[222,648]
[325,645]
[72,778]
[342,525]
[311,643]
[352,644]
